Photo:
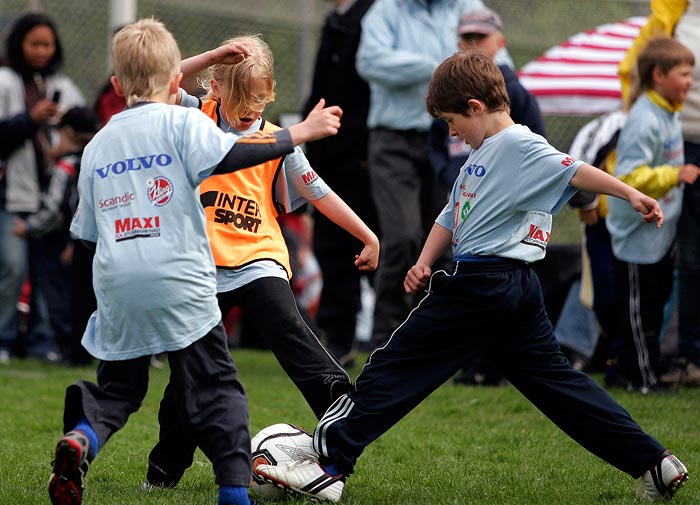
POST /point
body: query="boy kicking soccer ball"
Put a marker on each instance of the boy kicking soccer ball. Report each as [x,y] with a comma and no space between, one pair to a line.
[497,220]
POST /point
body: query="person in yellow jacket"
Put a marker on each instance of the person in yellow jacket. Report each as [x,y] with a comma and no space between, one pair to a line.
[252,260]
[650,158]
[661,23]
[681,20]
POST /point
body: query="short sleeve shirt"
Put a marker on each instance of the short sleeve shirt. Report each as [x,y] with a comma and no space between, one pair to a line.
[651,136]
[153,271]
[505,194]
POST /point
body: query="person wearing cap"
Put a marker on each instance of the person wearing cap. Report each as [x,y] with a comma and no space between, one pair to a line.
[482,30]
[49,226]
[401,44]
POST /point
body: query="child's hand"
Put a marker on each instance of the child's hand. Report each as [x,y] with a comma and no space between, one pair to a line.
[589,217]
[649,208]
[368,259]
[229,53]
[689,173]
[67,254]
[43,111]
[416,278]
[20,228]
[321,122]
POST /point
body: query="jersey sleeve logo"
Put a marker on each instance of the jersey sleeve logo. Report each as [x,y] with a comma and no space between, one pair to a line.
[309,177]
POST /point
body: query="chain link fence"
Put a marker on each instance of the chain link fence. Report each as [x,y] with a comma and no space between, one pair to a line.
[291,28]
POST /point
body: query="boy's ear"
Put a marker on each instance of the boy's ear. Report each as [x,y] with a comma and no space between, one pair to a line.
[657,74]
[116,85]
[475,106]
[501,41]
[175,83]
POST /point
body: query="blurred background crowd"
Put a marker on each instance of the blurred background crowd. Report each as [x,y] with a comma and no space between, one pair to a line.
[293,30]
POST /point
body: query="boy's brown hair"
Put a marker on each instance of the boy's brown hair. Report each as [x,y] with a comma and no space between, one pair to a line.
[663,53]
[145,57]
[234,80]
[462,77]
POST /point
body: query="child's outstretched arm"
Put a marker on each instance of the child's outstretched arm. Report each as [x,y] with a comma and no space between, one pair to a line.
[417,277]
[335,209]
[258,147]
[227,54]
[589,178]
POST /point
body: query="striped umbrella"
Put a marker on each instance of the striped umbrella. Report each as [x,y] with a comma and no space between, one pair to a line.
[579,76]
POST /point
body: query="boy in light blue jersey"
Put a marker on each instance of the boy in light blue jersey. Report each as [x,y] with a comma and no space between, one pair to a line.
[498,220]
[649,158]
[153,270]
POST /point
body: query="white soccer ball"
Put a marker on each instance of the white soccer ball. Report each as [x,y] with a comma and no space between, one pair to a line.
[278,444]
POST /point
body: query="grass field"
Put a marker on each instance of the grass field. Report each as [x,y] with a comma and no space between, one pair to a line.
[463,445]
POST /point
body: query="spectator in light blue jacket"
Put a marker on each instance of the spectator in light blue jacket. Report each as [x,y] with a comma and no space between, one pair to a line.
[401,44]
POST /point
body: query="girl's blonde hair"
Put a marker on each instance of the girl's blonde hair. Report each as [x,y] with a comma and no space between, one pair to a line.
[145,57]
[234,80]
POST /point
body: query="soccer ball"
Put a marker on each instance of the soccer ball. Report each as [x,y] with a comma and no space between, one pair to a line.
[277,444]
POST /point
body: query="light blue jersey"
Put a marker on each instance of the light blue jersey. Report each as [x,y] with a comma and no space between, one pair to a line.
[153,271]
[651,136]
[504,197]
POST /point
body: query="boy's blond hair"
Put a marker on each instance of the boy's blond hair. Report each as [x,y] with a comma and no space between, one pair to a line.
[462,77]
[234,80]
[663,53]
[145,56]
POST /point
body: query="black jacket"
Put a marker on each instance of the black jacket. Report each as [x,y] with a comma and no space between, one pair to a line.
[336,80]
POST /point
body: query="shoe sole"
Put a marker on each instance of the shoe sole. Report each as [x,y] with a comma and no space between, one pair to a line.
[62,489]
[291,490]
[63,492]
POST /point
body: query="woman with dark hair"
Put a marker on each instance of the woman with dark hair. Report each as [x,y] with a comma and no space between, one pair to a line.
[32,94]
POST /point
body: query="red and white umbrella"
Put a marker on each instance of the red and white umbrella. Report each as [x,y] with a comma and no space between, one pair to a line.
[579,76]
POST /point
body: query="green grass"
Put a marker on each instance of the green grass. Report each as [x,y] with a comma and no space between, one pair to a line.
[462,445]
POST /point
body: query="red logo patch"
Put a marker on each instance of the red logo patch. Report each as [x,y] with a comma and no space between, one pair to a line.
[160,191]
[568,161]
